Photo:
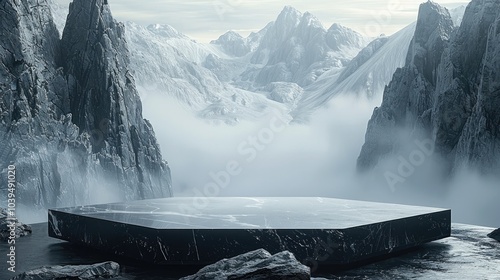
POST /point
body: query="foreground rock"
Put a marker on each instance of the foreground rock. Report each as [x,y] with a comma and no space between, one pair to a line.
[95,271]
[5,231]
[255,265]
[495,235]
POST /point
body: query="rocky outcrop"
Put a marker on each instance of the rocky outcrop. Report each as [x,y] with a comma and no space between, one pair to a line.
[447,93]
[495,235]
[103,96]
[70,119]
[256,265]
[11,228]
[104,270]
[479,142]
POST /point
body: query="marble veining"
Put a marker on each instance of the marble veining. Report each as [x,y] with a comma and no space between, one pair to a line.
[316,230]
[249,213]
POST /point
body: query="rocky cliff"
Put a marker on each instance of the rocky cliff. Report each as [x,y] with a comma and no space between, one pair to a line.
[71,119]
[448,92]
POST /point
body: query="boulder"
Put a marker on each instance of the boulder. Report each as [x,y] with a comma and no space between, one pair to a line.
[256,265]
[6,225]
[95,271]
[495,234]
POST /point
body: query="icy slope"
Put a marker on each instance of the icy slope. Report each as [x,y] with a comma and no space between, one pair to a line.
[366,75]
[167,62]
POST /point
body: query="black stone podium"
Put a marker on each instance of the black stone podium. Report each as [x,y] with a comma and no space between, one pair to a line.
[200,231]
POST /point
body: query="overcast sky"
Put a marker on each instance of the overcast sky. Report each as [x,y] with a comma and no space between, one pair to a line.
[205,20]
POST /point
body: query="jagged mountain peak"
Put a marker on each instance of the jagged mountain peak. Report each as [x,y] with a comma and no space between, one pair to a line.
[290,11]
[339,36]
[103,94]
[336,26]
[229,36]
[311,20]
[446,94]
[234,44]
[165,30]
[434,29]
[289,17]
[433,20]
[79,126]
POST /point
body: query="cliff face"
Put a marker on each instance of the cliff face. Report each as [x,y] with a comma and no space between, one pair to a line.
[71,118]
[446,93]
[479,143]
[103,97]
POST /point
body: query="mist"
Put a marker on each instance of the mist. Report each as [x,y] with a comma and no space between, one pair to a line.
[315,159]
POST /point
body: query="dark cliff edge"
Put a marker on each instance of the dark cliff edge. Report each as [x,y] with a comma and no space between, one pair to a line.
[70,116]
[448,93]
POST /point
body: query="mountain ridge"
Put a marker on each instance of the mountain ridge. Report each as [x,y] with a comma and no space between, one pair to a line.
[439,95]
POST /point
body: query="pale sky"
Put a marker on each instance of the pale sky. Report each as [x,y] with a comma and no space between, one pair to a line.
[206,20]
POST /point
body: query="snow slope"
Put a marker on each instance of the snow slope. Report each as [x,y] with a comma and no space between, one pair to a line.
[169,63]
[366,75]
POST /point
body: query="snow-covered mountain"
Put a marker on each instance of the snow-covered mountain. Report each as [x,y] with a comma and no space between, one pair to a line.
[235,78]
[167,62]
[234,44]
[291,67]
[365,75]
[296,48]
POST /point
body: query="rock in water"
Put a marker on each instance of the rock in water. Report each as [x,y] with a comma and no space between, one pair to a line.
[447,94]
[70,117]
[495,235]
[256,265]
[6,227]
[96,271]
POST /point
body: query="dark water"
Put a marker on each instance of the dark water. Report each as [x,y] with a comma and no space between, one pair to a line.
[39,250]
[468,254]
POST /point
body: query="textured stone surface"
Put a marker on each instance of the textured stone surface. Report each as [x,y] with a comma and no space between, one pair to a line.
[70,119]
[407,99]
[495,234]
[103,95]
[255,265]
[6,226]
[96,271]
[447,93]
[468,254]
[173,231]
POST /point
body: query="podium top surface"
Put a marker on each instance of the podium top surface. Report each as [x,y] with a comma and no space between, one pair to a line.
[248,213]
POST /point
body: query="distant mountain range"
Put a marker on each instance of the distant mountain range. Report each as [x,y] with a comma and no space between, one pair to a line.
[291,67]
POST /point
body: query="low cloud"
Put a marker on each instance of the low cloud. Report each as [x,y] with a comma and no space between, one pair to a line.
[318,159]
